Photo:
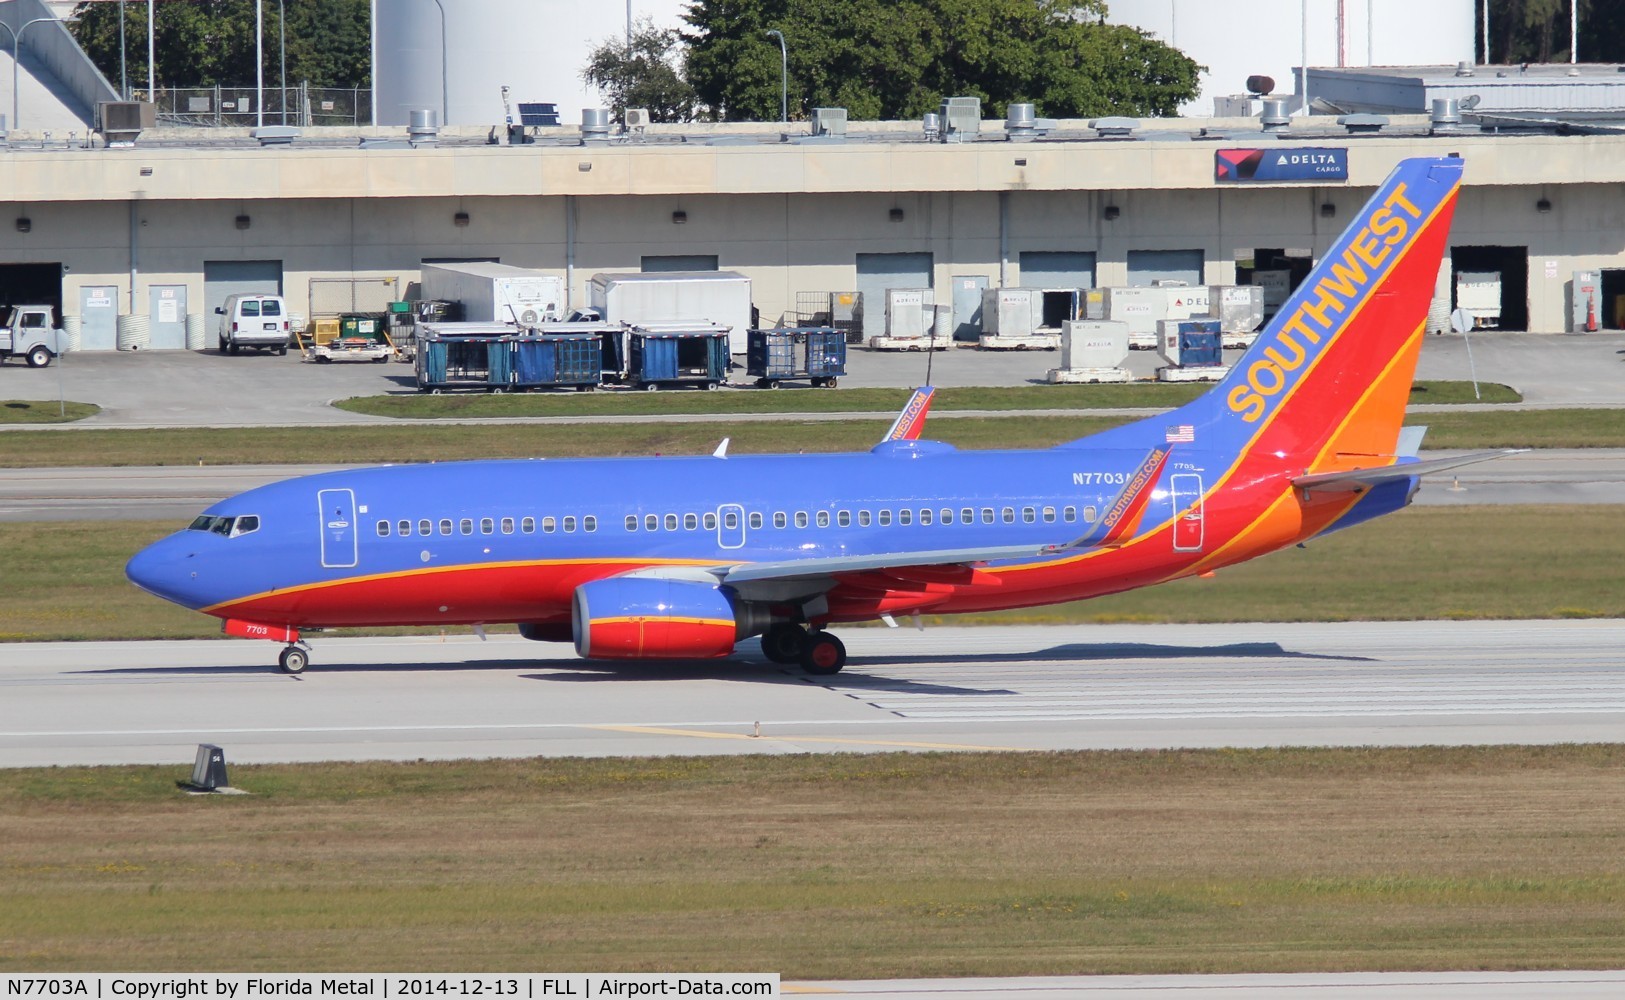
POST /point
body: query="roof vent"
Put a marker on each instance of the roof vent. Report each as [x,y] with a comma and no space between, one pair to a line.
[1446,115]
[423,128]
[275,135]
[1116,127]
[1274,116]
[1464,69]
[594,125]
[933,126]
[1363,124]
[1021,126]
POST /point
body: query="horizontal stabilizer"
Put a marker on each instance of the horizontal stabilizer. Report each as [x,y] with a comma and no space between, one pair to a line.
[1360,480]
[1122,515]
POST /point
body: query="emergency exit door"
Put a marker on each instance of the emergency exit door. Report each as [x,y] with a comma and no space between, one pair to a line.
[1188,527]
[336,509]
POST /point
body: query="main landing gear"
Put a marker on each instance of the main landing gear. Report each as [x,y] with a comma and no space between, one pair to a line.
[819,653]
[294,660]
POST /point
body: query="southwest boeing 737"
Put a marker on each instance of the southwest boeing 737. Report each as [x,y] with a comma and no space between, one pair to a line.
[679,558]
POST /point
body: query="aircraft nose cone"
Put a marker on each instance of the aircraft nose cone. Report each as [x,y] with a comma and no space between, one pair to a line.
[168,570]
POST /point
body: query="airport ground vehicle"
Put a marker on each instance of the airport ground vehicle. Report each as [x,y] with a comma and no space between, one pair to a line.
[28,333]
[259,321]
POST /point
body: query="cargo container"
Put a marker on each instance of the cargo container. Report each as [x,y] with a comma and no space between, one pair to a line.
[558,360]
[817,354]
[496,293]
[672,355]
[710,298]
[1277,286]
[1193,349]
[464,356]
[1092,351]
[1239,310]
[1479,292]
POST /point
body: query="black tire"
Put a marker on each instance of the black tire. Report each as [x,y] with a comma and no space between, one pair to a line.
[773,383]
[39,356]
[222,345]
[283,350]
[830,382]
[783,643]
[712,386]
[233,348]
[650,386]
[293,660]
[824,655]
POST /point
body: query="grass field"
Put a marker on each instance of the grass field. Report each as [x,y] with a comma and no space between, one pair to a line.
[831,866]
[806,400]
[376,444]
[65,580]
[38,411]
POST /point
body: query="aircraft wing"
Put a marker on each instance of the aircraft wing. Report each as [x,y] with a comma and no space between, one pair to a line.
[788,569]
[1360,480]
[911,421]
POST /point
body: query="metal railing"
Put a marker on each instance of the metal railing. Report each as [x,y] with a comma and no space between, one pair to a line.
[218,107]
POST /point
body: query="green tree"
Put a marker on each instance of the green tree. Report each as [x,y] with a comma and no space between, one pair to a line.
[642,73]
[1537,31]
[202,43]
[899,58]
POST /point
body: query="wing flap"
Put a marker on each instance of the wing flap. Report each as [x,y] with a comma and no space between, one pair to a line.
[827,565]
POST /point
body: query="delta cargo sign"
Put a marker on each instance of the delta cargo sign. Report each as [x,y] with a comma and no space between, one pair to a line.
[1253,166]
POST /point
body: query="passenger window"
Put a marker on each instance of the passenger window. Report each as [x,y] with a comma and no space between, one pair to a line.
[528,526]
[1088,514]
[466,526]
[801,519]
[487,526]
[671,522]
[905,516]
[945,515]
[1009,514]
[966,515]
[1029,515]
[823,519]
[549,525]
[270,307]
[709,522]
[631,522]
[424,527]
[445,526]
[987,515]
[403,528]
[569,524]
[1070,514]
[844,519]
[651,522]
[925,515]
[755,519]
[779,519]
[589,523]
[863,519]
[507,526]
[251,307]
[1049,515]
[883,517]
[730,520]
[383,529]
[690,522]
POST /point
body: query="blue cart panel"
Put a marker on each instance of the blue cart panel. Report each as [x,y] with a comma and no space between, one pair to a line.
[571,359]
[816,353]
[451,362]
[674,358]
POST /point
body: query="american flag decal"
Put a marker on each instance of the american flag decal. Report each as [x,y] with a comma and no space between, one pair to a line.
[1180,434]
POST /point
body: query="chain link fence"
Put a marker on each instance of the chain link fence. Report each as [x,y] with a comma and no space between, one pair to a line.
[304,106]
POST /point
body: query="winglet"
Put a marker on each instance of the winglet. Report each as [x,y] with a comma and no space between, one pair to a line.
[1122,515]
[911,421]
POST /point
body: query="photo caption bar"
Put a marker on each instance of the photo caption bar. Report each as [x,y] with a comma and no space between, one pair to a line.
[389,986]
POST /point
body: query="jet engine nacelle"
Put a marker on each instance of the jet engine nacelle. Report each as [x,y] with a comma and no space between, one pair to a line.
[643,618]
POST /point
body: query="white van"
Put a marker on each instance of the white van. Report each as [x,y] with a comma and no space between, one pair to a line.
[254,321]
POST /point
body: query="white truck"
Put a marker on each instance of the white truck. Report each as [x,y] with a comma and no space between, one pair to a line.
[28,333]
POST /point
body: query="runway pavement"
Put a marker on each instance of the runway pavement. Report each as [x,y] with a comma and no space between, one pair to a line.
[1594,475]
[1023,688]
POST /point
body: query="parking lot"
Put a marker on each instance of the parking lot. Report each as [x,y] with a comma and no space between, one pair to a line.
[205,388]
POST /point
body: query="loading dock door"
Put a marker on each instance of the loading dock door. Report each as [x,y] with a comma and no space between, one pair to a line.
[1057,269]
[1148,266]
[225,278]
[31,285]
[880,271]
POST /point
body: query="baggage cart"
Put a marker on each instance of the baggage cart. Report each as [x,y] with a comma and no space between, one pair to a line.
[465,356]
[816,353]
[558,360]
[673,355]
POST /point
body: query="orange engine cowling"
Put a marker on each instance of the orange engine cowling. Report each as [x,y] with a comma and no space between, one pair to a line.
[647,618]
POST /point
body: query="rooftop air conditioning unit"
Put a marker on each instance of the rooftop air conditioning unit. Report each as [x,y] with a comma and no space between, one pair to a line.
[637,117]
[122,121]
[829,121]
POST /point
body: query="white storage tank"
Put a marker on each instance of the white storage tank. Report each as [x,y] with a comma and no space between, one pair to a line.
[1236,39]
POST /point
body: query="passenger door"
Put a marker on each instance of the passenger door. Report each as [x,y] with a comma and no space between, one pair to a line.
[339,537]
[1188,526]
[730,526]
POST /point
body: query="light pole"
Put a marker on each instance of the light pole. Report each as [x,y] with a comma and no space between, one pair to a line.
[123,77]
[282,51]
[17,57]
[445,99]
[784,76]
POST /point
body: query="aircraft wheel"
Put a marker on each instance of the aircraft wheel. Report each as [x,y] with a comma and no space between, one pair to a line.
[783,643]
[824,655]
[293,660]
[39,357]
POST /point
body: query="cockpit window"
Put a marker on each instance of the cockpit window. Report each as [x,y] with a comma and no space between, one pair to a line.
[231,527]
